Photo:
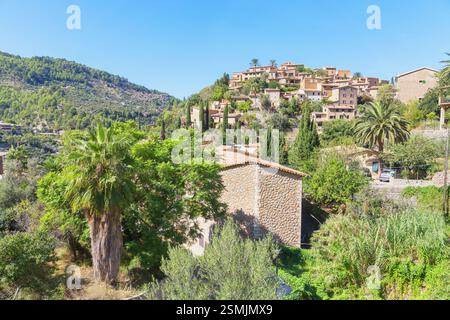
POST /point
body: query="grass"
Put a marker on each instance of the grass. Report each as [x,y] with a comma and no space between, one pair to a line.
[430,198]
[409,246]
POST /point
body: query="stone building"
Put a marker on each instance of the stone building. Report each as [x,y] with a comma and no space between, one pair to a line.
[262,196]
[415,84]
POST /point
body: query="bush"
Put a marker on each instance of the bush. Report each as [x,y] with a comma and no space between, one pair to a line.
[437,282]
[332,184]
[25,260]
[337,132]
[416,157]
[293,270]
[231,269]
[427,197]
[402,244]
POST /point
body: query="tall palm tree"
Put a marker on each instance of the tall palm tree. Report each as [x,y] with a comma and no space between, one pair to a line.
[100,183]
[379,124]
[273,63]
[254,62]
[445,73]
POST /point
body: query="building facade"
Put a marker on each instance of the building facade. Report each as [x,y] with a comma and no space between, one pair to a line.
[415,84]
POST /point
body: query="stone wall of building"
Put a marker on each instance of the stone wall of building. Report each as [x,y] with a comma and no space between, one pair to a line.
[280,206]
[261,200]
[415,85]
[240,189]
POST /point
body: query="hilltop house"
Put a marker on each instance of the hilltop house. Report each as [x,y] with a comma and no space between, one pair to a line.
[344,96]
[333,112]
[262,196]
[413,85]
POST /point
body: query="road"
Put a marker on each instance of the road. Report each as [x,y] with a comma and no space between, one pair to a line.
[394,188]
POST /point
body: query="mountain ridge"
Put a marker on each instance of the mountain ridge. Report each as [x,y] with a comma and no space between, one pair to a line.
[73,85]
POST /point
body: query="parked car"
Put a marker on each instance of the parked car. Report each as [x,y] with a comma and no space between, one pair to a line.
[386,175]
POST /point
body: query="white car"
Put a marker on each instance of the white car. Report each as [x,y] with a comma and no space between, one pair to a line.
[386,175]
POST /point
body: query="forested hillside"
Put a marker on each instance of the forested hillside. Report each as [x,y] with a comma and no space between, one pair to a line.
[49,94]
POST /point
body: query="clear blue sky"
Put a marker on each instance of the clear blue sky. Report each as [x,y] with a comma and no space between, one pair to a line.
[181,46]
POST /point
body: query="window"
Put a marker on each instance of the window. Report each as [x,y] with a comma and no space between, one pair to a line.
[422,81]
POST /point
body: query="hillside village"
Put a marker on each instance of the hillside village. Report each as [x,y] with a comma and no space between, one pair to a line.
[262,90]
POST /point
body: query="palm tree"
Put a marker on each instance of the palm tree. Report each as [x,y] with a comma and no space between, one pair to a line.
[379,124]
[273,63]
[100,183]
[445,73]
[254,62]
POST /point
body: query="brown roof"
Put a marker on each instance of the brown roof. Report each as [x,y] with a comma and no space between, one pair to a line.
[413,71]
[340,107]
[231,160]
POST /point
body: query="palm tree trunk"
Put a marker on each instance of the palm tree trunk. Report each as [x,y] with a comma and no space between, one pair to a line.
[380,151]
[106,245]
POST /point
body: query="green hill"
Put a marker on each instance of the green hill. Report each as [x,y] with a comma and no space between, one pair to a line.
[47,93]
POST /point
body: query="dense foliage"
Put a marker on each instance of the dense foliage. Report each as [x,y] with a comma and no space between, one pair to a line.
[157,199]
[51,94]
[379,249]
[337,132]
[25,260]
[332,183]
[415,158]
[305,143]
[231,269]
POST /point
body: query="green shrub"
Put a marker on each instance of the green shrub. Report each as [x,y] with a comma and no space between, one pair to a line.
[402,244]
[293,270]
[337,132]
[25,260]
[230,269]
[332,184]
[437,282]
[427,197]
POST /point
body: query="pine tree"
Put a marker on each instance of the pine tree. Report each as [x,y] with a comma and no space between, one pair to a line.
[306,141]
[178,123]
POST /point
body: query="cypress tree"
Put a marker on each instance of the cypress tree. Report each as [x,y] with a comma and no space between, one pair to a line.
[306,141]
[225,124]
[206,123]
[201,117]
[188,116]
[163,129]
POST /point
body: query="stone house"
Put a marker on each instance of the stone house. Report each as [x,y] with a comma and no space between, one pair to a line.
[333,112]
[345,96]
[262,196]
[413,85]
[274,96]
